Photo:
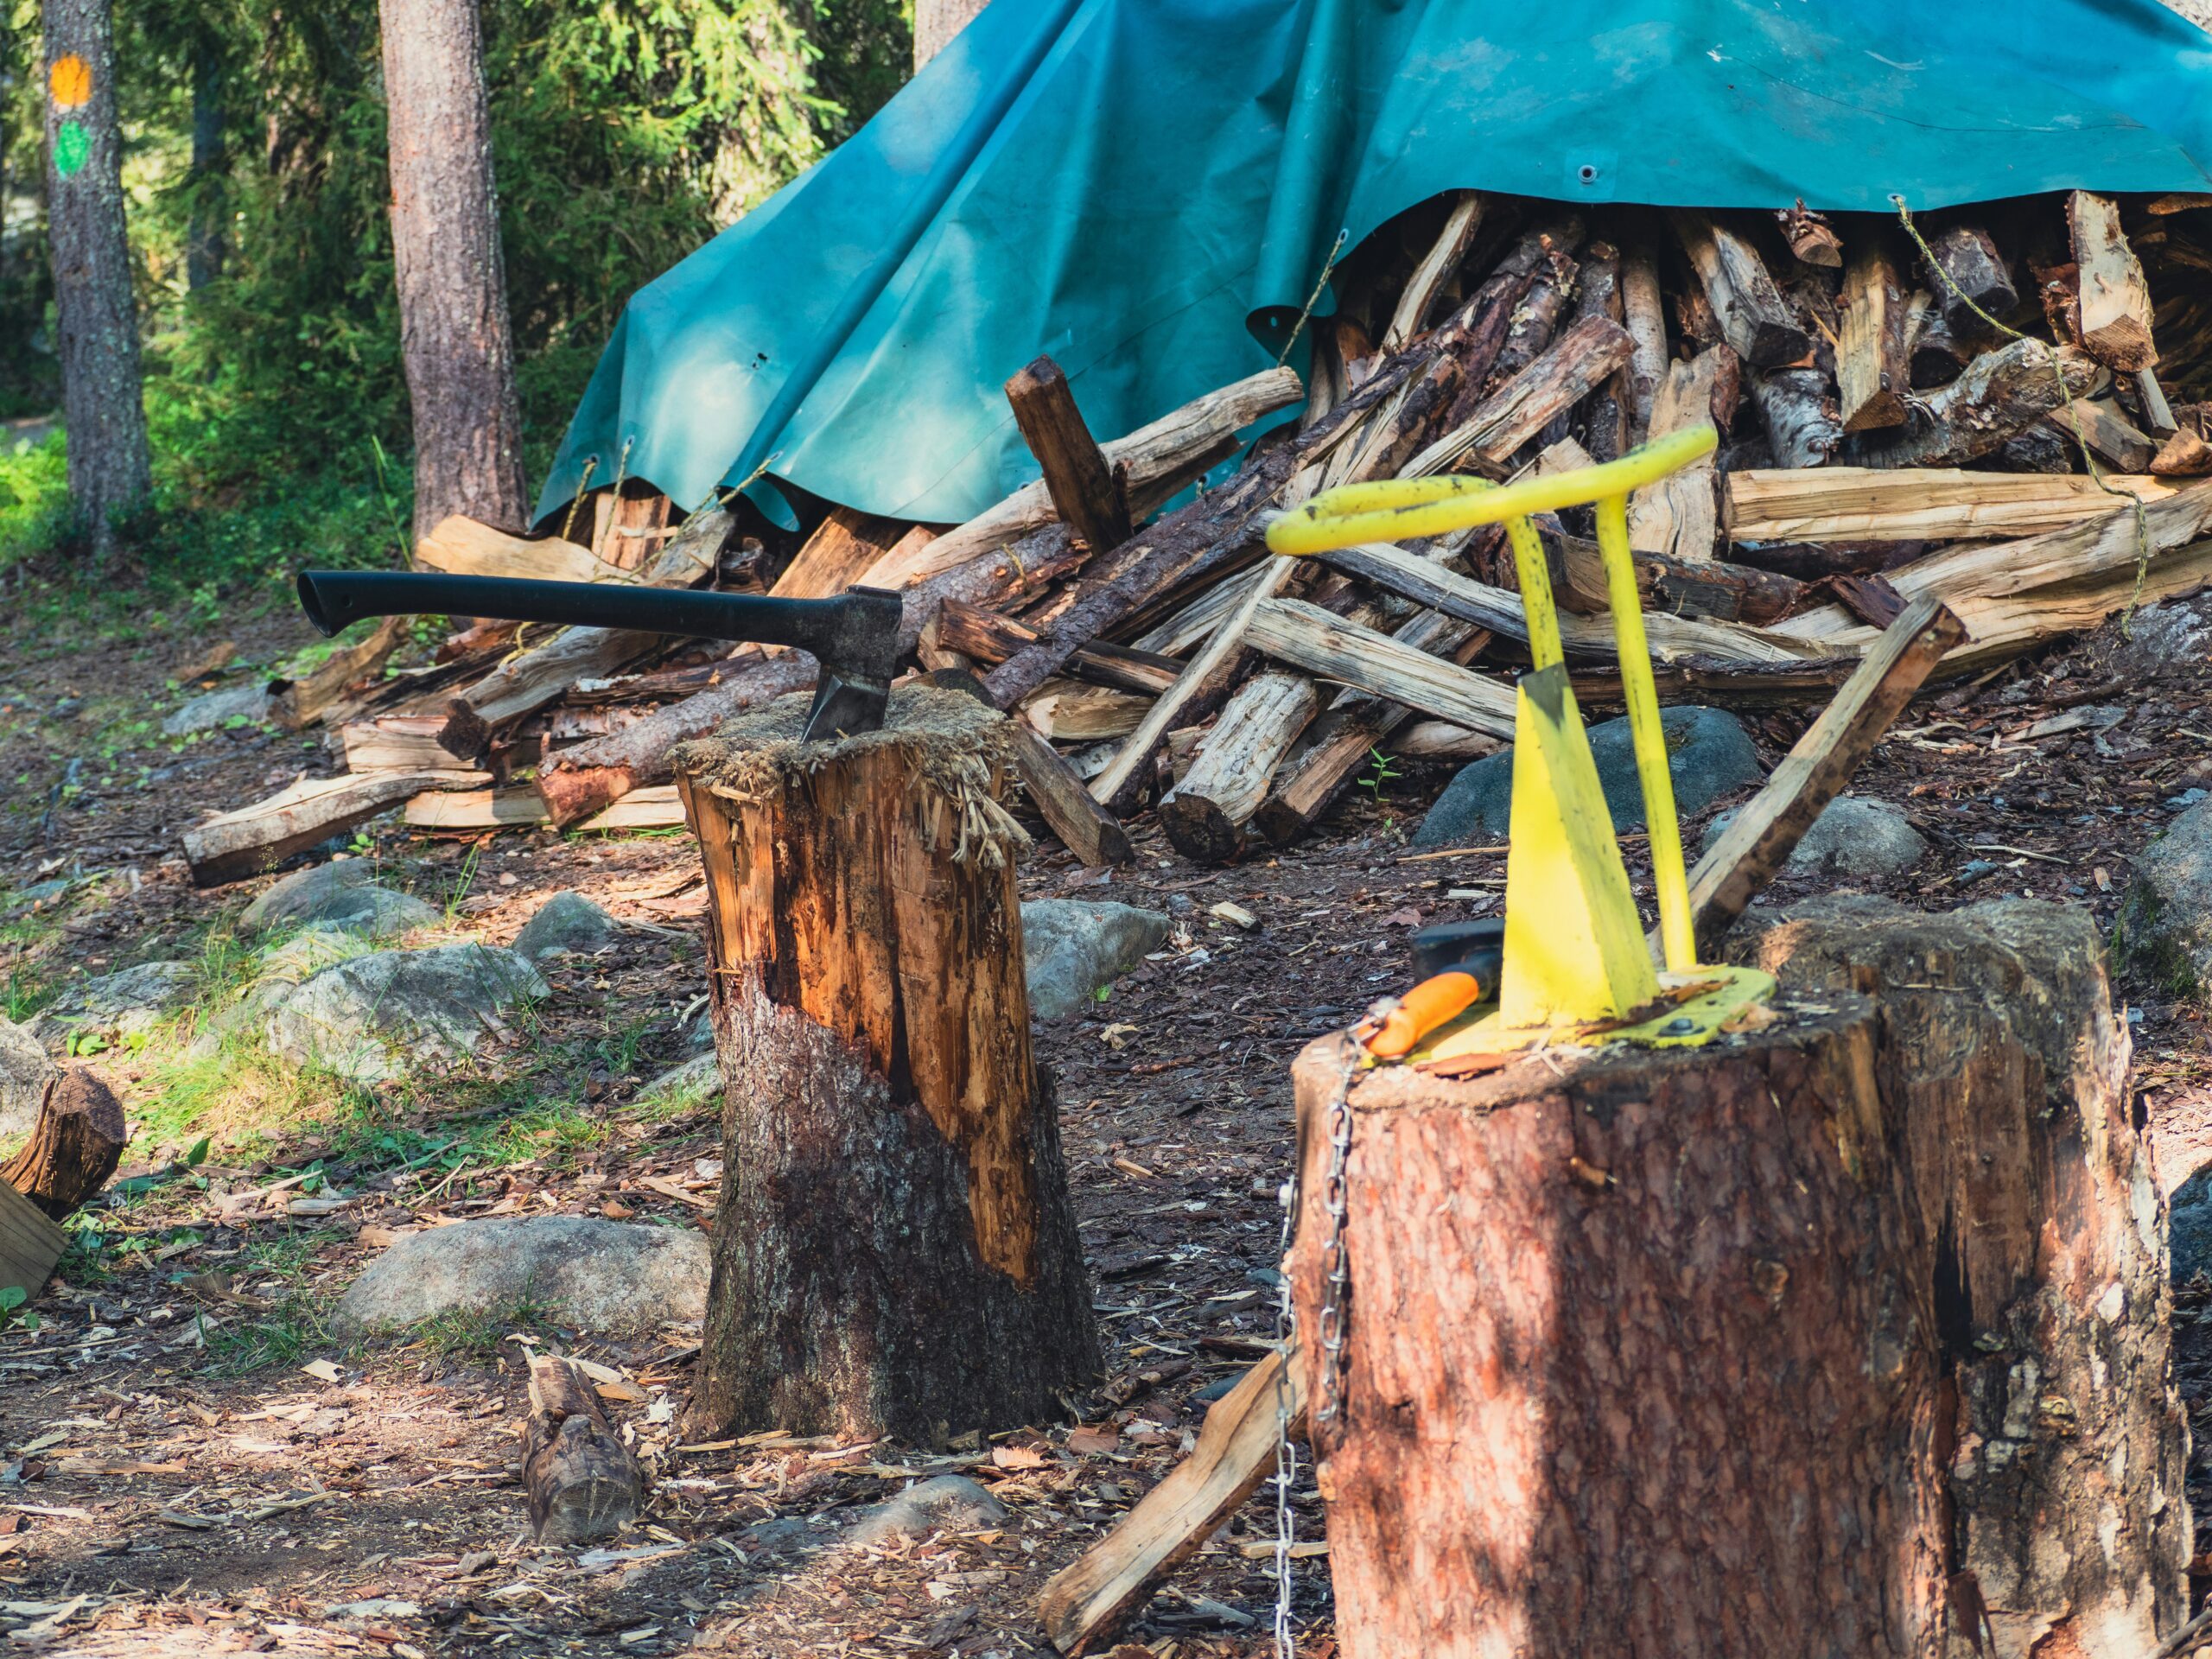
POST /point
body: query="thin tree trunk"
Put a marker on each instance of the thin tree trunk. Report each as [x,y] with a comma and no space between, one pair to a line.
[455,333]
[110,471]
[203,235]
[936,22]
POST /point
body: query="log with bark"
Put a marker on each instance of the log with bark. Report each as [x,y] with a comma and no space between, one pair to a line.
[893,1248]
[2000,395]
[1205,813]
[583,1482]
[1611,1314]
[1969,273]
[73,1147]
[2115,320]
[233,845]
[1090,498]
[1754,318]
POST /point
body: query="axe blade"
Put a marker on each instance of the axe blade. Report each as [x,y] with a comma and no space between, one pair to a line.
[844,704]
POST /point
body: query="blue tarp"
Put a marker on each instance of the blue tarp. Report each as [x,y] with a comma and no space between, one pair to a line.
[1148,190]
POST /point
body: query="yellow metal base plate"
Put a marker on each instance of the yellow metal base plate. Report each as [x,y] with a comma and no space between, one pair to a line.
[1694,1007]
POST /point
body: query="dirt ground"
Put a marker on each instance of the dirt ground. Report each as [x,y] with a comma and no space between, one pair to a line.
[191,1461]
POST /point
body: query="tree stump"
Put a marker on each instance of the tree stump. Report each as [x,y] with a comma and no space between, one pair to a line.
[1842,1337]
[73,1148]
[895,1251]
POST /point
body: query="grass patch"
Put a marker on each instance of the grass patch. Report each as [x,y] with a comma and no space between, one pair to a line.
[245,1341]
[474,1336]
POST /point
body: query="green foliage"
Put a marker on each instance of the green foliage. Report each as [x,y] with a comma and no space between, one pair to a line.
[625,133]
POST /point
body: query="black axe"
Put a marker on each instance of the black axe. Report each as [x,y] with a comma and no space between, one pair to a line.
[855,636]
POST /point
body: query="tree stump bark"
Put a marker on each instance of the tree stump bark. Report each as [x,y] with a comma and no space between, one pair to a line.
[73,1148]
[895,1251]
[1847,1335]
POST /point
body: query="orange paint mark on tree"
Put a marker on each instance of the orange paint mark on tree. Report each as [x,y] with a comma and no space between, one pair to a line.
[71,82]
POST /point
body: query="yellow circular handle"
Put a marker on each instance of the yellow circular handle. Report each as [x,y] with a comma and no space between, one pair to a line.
[1406,509]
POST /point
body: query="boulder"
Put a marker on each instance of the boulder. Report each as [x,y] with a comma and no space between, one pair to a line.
[343,894]
[1072,947]
[692,1083]
[1854,838]
[942,1503]
[25,1076]
[2171,637]
[246,703]
[127,1003]
[2164,931]
[1709,751]
[567,922]
[607,1277]
[388,1012]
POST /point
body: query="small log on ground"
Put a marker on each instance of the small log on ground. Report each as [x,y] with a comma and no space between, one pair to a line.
[233,845]
[1205,813]
[895,1249]
[583,1482]
[73,1148]
[1763,1347]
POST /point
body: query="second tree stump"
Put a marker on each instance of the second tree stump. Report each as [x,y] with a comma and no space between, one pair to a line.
[1843,1336]
[893,1252]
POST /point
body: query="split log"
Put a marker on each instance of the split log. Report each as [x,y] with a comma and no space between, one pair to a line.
[1811,238]
[397,743]
[461,546]
[1419,297]
[989,638]
[527,683]
[2156,413]
[1737,1229]
[1854,504]
[1159,459]
[1427,583]
[1306,636]
[1801,428]
[2001,394]
[30,1243]
[73,1148]
[592,777]
[583,1482]
[1343,740]
[1087,829]
[626,520]
[1714,589]
[1205,813]
[843,545]
[2098,424]
[2182,455]
[894,1184]
[1068,713]
[1758,841]
[300,703]
[1535,321]
[1873,360]
[1970,272]
[1677,516]
[1085,492]
[2115,317]
[1753,317]
[233,845]
[1239,1443]
[471,810]
[1644,314]
[1577,362]
[1604,417]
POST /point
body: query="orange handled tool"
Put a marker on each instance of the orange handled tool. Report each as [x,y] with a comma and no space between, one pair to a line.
[1460,963]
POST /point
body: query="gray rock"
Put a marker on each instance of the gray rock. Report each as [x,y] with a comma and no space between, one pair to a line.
[1709,751]
[211,710]
[692,1083]
[25,1071]
[391,1012]
[2188,1228]
[341,894]
[566,922]
[611,1277]
[1071,947]
[1854,838]
[943,1504]
[128,1003]
[2164,931]
[2175,637]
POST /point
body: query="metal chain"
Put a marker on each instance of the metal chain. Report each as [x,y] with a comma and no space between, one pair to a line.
[1334,1282]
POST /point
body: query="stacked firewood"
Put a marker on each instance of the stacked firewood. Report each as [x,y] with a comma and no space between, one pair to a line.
[2004,407]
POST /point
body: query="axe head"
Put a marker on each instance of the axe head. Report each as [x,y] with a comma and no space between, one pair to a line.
[858,651]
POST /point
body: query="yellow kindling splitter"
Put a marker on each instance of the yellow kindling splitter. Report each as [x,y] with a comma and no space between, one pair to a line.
[1576,966]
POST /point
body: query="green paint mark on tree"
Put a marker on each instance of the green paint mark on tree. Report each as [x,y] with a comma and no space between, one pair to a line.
[71,149]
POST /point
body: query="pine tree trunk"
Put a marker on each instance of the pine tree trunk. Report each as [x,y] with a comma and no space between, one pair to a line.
[894,1250]
[203,234]
[454,333]
[936,22]
[102,405]
[1847,1335]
